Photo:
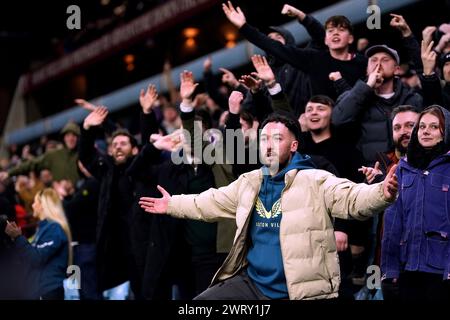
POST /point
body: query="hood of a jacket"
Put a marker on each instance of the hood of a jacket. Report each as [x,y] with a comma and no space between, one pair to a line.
[298,161]
[420,157]
[288,37]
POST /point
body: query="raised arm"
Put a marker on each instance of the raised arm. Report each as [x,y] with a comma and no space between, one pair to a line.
[191,127]
[209,205]
[314,28]
[87,153]
[299,58]
[346,199]
[149,126]
[352,103]
[410,42]
[280,102]
[25,167]
[211,84]
[167,76]
[431,84]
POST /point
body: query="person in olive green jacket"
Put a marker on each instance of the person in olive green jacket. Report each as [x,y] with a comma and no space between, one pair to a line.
[284,246]
[62,163]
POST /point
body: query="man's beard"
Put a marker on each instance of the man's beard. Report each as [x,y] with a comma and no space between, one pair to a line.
[399,147]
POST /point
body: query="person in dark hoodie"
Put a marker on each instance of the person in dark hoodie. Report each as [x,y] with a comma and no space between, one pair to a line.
[295,83]
[416,246]
[81,205]
[284,246]
[50,252]
[369,104]
[316,63]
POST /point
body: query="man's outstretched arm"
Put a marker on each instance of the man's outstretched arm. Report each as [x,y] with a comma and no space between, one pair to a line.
[345,199]
[209,205]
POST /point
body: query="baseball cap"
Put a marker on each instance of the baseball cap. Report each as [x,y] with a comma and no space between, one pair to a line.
[383,48]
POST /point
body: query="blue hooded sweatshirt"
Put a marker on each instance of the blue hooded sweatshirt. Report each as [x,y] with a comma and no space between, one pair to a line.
[265,262]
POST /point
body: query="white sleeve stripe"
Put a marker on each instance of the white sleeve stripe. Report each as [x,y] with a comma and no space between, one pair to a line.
[45,244]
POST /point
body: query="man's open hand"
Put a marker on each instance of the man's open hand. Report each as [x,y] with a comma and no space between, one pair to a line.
[156,205]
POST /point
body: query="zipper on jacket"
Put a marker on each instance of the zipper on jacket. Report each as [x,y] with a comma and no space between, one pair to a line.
[233,247]
[281,222]
[195,166]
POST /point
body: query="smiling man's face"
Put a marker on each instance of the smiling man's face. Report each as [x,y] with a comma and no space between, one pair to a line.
[318,116]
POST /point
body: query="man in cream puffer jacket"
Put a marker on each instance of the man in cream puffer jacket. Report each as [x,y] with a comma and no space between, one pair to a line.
[284,247]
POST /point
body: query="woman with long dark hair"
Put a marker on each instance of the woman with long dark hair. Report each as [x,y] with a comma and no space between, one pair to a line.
[416,247]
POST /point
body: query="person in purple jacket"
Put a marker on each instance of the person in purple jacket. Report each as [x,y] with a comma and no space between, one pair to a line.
[416,248]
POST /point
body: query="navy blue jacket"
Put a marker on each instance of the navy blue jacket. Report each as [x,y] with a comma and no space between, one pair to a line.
[46,256]
[417,226]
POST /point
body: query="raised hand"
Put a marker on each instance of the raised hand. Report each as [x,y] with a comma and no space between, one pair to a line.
[187,86]
[156,205]
[234,102]
[428,57]
[427,34]
[303,122]
[236,16]
[171,142]
[263,70]
[390,185]
[207,64]
[253,84]
[399,23]
[228,78]
[148,98]
[293,12]
[85,105]
[96,117]
[370,172]
[442,42]
[375,79]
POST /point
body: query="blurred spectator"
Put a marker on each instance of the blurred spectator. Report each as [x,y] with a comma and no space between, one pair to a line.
[62,163]
[362,45]
[114,256]
[50,252]
[81,206]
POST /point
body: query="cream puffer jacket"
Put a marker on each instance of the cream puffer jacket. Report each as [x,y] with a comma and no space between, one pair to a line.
[309,201]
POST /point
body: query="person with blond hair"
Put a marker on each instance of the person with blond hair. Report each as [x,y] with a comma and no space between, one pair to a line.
[50,252]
